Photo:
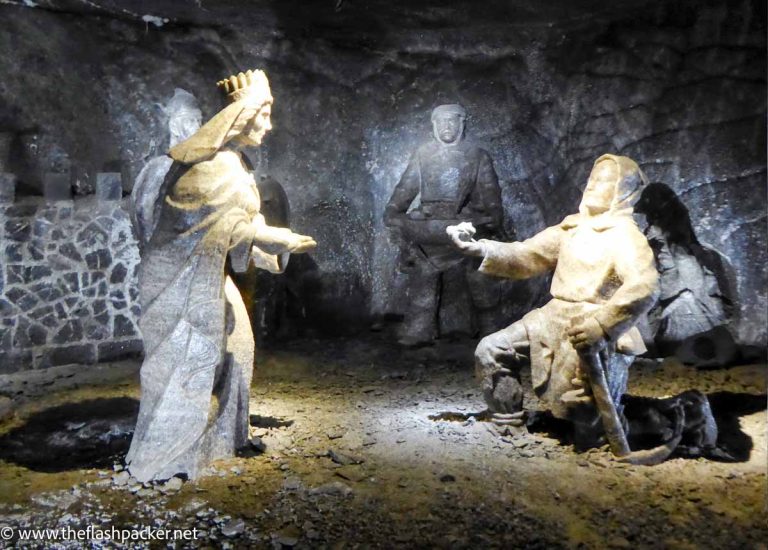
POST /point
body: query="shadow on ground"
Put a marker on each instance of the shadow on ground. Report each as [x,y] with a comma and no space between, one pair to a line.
[88,434]
[727,408]
[258,421]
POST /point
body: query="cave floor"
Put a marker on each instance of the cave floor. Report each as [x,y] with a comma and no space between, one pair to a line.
[352,459]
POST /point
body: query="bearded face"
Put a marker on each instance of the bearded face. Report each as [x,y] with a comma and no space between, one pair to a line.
[448,128]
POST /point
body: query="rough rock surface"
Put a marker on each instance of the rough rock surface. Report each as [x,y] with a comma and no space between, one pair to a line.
[680,87]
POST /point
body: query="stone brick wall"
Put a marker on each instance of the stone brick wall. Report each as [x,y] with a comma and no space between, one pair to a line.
[68,291]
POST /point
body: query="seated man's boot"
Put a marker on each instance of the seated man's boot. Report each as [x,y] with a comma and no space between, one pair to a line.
[503,394]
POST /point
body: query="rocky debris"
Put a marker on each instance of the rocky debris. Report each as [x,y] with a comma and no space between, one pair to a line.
[334,488]
[284,541]
[343,459]
[60,500]
[233,528]
[257,444]
[121,478]
[335,433]
[352,473]
[292,484]
[172,485]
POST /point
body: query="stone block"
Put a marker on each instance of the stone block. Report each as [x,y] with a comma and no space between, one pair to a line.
[21,298]
[111,351]
[17,230]
[96,329]
[6,338]
[37,335]
[14,274]
[41,227]
[13,253]
[7,187]
[84,354]
[36,249]
[124,326]
[99,259]
[119,271]
[72,282]
[57,187]
[23,209]
[109,186]
[70,251]
[72,331]
[14,361]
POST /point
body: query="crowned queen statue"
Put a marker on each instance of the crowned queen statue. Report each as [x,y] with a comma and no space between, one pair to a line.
[198,342]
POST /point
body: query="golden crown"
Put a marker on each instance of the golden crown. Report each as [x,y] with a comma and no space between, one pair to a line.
[252,84]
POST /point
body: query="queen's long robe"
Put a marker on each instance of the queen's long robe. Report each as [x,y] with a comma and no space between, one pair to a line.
[198,341]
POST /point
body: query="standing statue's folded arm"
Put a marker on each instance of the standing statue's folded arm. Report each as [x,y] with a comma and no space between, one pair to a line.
[404,193]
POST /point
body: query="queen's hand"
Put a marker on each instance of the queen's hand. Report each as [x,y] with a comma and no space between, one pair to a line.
[279,240]
[298,244]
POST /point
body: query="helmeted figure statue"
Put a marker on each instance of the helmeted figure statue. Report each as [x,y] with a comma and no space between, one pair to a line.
[198,342]
[455,181]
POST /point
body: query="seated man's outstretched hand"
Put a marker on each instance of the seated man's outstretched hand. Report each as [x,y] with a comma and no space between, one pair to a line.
[461,236]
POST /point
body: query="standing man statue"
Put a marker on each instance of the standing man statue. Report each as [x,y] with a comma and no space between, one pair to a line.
[455,181]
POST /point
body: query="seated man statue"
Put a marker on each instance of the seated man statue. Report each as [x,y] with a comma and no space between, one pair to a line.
[604,280]
[454,182]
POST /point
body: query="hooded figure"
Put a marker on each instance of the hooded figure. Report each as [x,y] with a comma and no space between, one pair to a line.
[604,280]
[198,342]
[184,119]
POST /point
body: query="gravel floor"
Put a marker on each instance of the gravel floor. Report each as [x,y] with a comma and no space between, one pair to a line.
[363,445]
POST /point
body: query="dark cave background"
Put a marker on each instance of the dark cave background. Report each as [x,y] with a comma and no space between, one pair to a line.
[679,86]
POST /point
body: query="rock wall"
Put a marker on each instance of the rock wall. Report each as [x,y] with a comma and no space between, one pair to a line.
[68,289]
[679,86]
